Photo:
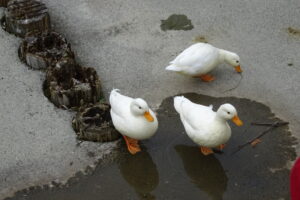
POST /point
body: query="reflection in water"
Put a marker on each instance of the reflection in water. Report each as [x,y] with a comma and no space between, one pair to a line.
[206,172]
[184,173]
[140,172]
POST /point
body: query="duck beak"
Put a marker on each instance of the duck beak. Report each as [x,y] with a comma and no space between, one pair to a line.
[148,116]
[238,69]
[237,121]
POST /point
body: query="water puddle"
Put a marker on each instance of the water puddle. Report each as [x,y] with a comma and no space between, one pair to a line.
[176,22]
[172,167]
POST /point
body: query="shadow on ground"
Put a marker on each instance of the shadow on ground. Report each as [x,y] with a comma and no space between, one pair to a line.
[171,166]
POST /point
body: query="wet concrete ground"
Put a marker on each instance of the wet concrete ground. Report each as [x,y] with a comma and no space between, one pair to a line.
[123,41]
[172,167]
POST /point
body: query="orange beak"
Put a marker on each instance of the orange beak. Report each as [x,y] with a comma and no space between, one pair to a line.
[148,116]
[238,69]
[237,121]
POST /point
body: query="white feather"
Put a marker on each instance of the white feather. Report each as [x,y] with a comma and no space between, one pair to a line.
[198,59]
[200,123]
[136,127]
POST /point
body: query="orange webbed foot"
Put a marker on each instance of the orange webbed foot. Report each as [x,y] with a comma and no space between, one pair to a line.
[221,146]
[206,151]
[207,78]
[132,145]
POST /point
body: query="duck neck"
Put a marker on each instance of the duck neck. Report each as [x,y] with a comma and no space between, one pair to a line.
[220,119]
[132,109]
[224,55]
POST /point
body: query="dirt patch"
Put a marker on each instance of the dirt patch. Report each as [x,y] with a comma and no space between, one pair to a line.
[200,38]
[293,31]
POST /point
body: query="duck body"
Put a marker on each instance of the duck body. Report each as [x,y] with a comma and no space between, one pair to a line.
[126,122]
[201,58]
[205,127]
[197,59]
[200,123]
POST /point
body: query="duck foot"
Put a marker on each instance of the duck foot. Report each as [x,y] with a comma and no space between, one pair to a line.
[206,151]
[132,145]
[207,77]
[221,146]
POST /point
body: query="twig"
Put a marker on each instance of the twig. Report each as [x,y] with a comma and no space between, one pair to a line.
[272,126]
[237,85]
[65,107]
[79,143]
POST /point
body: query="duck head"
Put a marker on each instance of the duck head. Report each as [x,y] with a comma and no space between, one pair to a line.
[233,59]
[139,107]
[227,112]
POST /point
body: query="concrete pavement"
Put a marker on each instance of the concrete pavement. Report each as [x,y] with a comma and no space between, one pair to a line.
[123,41]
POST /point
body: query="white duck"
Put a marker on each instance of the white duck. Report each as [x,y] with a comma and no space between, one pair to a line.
[205,127]
[201,58]
[132,118]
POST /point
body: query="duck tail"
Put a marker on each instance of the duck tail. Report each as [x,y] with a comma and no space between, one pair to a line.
[173,67]
[114,90]
[177,103]
[113,93]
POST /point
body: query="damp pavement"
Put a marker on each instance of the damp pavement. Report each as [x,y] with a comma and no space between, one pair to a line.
[124,42]
[171,166]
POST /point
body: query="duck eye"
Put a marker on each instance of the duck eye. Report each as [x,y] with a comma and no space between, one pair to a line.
[228,113]
[140,107]
[237,61]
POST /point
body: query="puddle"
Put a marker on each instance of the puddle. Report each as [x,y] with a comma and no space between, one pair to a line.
[172,167]
[176,22]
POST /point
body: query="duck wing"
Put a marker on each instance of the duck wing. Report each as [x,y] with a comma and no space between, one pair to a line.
[195,55]
[120,104]
[194,115]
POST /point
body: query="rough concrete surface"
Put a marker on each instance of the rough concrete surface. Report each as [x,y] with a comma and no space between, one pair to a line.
[171,167]
[38,144]
[123,41]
